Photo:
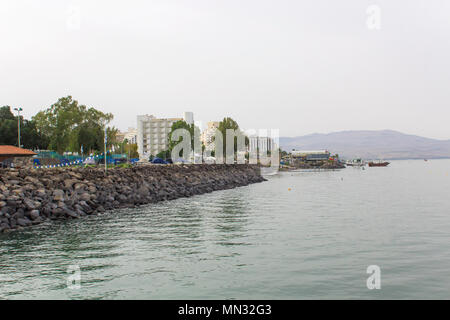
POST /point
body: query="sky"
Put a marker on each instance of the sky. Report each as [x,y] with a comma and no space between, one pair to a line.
[298,66]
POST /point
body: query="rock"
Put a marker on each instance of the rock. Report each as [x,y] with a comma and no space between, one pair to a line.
[58,195]
[40,192]
[20,213]
[31,196]
[32,180]
[68,183]
[18,191]
[4,227]
[85,197]
[23,222]
[30,205]
[38,220]
[34,214]
[79,186]
[71,213]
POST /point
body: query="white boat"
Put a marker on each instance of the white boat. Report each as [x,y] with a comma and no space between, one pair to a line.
[355,163]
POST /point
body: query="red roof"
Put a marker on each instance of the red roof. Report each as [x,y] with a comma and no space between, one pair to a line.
[11,151]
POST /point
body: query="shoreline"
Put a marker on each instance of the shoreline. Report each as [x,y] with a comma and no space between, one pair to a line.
[30,197]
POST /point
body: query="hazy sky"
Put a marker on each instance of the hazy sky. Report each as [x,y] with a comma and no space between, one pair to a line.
[300,66]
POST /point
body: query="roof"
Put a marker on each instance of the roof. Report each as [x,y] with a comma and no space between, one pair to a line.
[11,151]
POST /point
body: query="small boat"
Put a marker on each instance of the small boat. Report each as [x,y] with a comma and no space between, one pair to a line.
[378,164]
[355,163]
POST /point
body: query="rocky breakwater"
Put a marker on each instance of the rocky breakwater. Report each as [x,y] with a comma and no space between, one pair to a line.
[29,197]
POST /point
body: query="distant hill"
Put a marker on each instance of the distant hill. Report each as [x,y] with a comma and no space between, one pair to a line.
[384,144]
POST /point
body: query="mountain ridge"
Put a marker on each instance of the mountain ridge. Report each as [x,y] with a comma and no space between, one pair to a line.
[371,144]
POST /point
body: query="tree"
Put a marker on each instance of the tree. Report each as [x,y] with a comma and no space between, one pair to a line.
[67,125]
[6,114]
[30,137]
[130,149]
[224,125]
[164,154]
[8,126]
[194,131]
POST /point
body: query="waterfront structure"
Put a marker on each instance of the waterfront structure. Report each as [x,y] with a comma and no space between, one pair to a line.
[207,136]
[153,133]
[312,155]
[7,153]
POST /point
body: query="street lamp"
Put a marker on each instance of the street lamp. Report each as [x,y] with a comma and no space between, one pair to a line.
[18,124]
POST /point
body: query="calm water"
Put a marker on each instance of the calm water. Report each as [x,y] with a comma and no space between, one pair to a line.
[300,235]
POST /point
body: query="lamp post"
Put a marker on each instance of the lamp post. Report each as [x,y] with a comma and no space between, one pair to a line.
[18,125]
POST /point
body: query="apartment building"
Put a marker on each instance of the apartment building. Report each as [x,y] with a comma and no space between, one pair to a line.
[207,136]
[153,133]
[131,135]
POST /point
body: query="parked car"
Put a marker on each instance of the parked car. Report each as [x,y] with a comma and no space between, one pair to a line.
[158,161]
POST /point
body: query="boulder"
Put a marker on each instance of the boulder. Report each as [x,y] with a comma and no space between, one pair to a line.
[34,214]
[23,222]
[58,195]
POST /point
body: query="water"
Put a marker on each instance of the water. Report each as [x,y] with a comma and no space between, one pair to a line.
[301,235]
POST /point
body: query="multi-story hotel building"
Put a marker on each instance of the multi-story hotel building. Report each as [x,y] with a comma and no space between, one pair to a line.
[207,136]
[131,135]
[153,133]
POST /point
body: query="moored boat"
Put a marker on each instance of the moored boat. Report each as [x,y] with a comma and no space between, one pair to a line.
[378,164]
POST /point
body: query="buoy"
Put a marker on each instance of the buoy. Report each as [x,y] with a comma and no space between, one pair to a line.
[289,189]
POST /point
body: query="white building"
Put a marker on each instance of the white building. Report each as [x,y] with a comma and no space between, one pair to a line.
[131,135]
[207,136]
[153,133]
[189,117]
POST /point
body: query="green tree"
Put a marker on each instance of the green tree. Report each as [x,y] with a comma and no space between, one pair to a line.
[6,114]
[163,155]
[194,131]
[8,126]
[224,125]
[30,137]
[132,150]
[67,125]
